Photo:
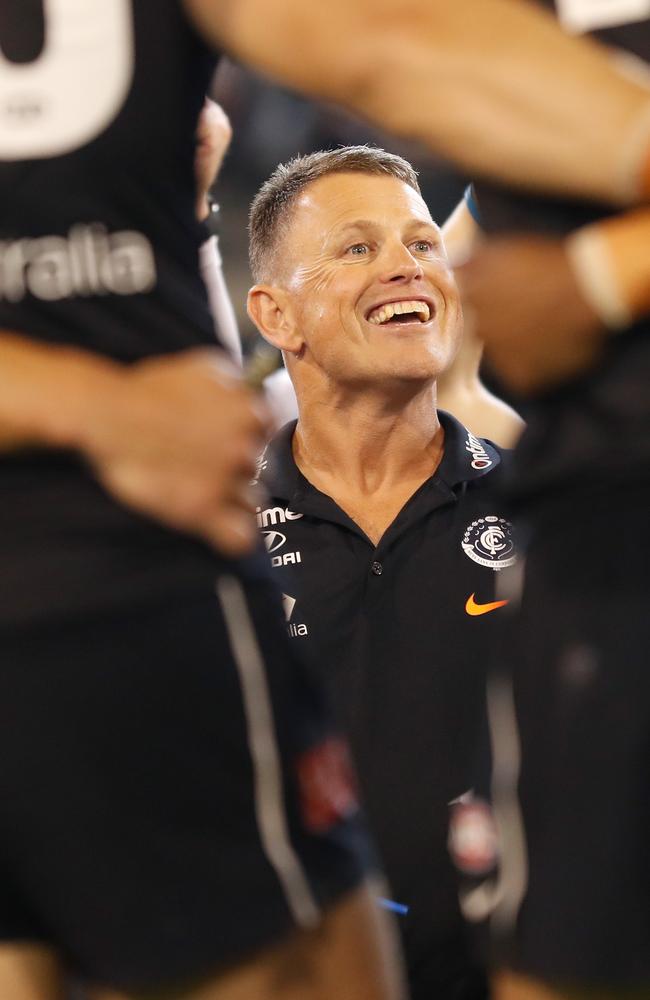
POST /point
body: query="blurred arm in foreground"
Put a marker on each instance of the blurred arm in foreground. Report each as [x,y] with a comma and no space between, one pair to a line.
[427,71]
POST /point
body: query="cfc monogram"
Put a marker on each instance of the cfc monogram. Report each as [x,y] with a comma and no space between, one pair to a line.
[488,541]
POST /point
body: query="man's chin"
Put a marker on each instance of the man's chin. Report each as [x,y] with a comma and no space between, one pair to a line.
[412,375]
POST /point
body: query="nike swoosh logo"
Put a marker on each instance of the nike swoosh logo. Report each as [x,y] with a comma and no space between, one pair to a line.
[472,608]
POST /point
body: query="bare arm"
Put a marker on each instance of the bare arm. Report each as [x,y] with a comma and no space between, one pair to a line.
[175,437]
[47,392]
[484,82]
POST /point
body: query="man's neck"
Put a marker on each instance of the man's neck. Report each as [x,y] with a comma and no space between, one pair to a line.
[363,443]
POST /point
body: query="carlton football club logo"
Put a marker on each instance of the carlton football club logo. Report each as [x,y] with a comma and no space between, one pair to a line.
[488,541]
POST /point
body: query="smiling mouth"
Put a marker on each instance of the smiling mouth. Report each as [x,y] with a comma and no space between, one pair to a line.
[396,313]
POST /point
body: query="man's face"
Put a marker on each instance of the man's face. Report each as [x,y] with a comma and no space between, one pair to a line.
[372,293]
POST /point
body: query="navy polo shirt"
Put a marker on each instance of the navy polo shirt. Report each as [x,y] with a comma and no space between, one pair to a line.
[400,633]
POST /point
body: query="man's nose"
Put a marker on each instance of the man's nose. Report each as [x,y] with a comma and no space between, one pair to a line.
[399,264]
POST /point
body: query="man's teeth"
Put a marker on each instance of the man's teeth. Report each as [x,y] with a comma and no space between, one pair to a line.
[386,312]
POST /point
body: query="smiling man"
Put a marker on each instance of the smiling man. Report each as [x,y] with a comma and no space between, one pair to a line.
[381,519]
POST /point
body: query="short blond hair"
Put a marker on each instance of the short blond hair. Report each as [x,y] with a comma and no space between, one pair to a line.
[271,208]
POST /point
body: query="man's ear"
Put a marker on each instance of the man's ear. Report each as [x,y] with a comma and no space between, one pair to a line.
[270,309]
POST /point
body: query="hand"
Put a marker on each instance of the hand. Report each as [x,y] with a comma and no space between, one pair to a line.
[177,438]
[521,299]
[213,135]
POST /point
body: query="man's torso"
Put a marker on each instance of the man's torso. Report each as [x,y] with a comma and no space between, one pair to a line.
[400,633]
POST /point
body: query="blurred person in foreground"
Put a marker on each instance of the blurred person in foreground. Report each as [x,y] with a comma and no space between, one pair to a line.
[561,295]
[381,514]
[127,452]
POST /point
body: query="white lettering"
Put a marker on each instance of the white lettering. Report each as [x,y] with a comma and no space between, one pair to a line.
[481,459]
[275,515]
[90,261]
[289,558]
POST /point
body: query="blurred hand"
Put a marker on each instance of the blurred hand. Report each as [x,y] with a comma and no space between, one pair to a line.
[521,299]
[177,438]
[213,135]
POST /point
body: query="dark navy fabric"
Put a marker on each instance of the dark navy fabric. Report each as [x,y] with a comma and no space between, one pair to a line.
[387,630]
[80,233]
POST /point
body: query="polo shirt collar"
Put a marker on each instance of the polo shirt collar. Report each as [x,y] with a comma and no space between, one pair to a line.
[465,457]
[278,472]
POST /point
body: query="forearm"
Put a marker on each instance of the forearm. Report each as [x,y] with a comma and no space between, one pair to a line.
[47,393]
[506,93]
[492,84]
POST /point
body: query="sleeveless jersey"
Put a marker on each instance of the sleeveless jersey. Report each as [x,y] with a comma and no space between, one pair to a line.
[595,430]
[99,103]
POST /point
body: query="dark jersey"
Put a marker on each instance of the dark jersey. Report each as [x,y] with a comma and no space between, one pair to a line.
[578,882]
[575,434]
[98,249]
[399,633]
[98,238]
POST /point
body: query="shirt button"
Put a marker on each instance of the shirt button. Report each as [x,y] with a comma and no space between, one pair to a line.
[377,568]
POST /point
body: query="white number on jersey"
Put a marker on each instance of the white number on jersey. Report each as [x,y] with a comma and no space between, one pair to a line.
[76,87]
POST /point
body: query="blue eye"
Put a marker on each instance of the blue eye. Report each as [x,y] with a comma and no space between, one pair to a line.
[358,249]
[422,246]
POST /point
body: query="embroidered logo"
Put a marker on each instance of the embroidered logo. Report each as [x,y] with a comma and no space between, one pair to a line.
[475,609]
[488,541]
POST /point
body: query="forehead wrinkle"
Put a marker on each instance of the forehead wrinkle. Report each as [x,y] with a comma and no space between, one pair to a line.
[375,226]
[357,224]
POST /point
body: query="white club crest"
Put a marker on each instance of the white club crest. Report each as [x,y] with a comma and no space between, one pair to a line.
[488,541]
